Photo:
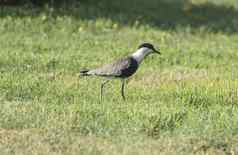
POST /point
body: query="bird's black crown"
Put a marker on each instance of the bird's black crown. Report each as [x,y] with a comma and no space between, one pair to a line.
[150,46]
[147,45]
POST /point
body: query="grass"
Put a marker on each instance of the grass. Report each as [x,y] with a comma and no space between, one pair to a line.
[182,102]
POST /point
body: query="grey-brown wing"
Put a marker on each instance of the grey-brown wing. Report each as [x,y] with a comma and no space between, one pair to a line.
[114,69]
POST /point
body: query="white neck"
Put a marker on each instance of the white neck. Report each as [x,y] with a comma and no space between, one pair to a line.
[140,54]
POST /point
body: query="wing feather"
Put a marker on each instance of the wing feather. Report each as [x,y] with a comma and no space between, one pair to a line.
[114,69]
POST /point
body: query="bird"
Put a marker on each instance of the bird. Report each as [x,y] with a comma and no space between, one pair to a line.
[122,68]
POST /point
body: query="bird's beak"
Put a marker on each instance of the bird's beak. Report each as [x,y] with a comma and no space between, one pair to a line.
[156,51]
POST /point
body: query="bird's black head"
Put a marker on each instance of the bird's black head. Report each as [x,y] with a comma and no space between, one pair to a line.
[149,46]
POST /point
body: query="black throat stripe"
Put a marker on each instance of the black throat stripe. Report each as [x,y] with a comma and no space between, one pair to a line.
[130,70]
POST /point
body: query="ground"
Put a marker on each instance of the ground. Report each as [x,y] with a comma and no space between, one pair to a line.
[182,102]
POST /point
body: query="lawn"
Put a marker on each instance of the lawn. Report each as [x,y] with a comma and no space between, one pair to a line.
[182,102]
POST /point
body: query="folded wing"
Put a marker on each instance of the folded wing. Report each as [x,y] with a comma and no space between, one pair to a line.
[112,70]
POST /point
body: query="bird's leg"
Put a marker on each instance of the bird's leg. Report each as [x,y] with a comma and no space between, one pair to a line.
[123,89]
[102,85]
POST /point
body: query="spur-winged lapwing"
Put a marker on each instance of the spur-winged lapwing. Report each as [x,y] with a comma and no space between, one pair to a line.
[122,68]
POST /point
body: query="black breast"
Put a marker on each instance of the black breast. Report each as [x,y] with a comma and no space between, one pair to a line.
[130,69]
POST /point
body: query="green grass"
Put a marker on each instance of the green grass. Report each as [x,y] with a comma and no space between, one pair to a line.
[182,102]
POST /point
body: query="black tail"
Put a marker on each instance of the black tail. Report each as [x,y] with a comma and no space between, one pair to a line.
[84,72]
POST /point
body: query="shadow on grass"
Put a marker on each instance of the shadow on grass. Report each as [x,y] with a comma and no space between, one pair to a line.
[156,13]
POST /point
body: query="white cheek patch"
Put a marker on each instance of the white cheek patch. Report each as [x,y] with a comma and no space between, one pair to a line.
[140,54]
